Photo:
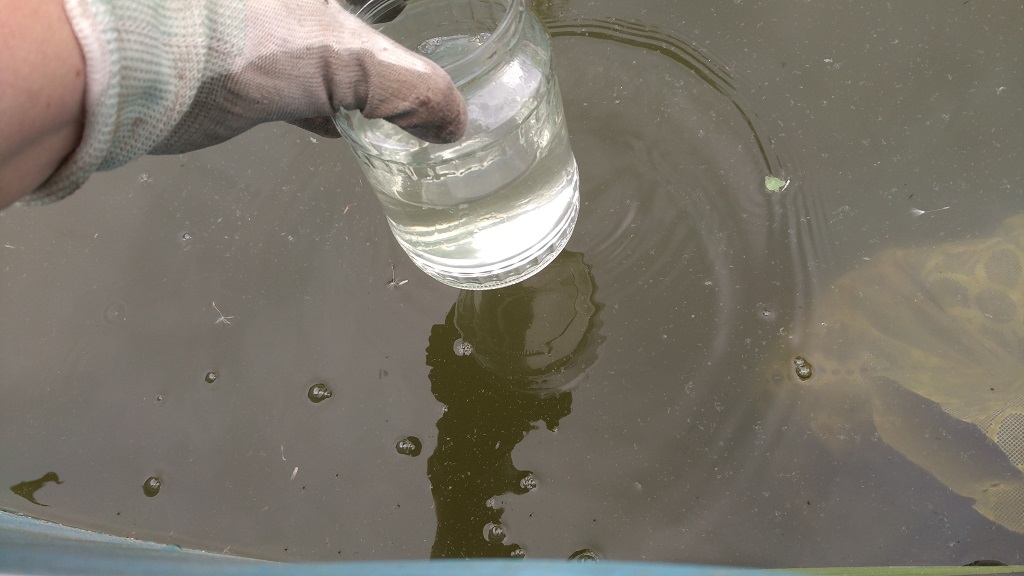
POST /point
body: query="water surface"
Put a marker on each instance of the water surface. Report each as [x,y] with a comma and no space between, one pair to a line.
[267,262]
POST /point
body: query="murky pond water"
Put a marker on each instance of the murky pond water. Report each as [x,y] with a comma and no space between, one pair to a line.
[214,349]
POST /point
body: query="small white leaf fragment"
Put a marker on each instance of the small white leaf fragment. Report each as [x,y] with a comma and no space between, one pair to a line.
[918,211]
[774,184]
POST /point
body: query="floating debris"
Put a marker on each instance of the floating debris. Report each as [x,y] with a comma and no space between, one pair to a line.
[462,348]
[528,483]
[151,487]
[803,368]
[28,489]
[319,392]
[585,555]
[494,533]
[918,211]
[774,184]
[223,319]
[409,446]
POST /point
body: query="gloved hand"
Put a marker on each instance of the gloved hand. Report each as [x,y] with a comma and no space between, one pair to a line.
[170,76]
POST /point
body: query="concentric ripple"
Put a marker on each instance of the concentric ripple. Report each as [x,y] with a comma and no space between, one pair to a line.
[672,165]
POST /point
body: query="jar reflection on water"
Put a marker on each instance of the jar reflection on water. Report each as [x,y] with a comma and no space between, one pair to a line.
[497,206]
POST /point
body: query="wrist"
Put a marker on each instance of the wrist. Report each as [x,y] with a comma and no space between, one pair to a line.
[43,118]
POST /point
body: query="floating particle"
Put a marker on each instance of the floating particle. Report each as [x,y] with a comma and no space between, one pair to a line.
[517,552]
[211,377]
[319,392]
[409,446]
[774,184]
[584,555]
[186,236]
[803,368]
[151,487]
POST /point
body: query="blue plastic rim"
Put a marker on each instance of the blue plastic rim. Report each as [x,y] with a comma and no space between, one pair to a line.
[30,546]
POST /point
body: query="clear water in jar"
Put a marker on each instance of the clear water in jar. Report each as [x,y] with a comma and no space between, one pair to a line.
[497,206]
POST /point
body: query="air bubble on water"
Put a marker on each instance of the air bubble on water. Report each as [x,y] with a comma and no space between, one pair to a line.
[319,392]
[517,552]
[494,533]
[584,555]
[462,348]
[409,446]
[803,368]
[211,377]
[528,483]
[151,487]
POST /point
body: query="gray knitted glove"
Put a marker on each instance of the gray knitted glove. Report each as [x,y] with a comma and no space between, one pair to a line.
[170,76]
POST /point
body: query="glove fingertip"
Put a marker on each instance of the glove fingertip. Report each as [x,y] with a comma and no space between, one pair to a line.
[448,119]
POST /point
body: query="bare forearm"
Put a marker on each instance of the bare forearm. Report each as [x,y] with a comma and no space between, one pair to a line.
[42,92]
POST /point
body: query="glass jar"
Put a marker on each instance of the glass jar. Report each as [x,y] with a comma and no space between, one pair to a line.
[500,204]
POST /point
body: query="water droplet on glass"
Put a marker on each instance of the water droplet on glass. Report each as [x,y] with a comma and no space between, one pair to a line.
[517,552]
[528,483]
[409,446]
[494,533]
[462,348]
[151,487]
[584,555]
[211,377]
[803,368]
[319,392]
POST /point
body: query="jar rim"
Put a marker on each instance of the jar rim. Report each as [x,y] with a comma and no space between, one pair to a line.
[464,68]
